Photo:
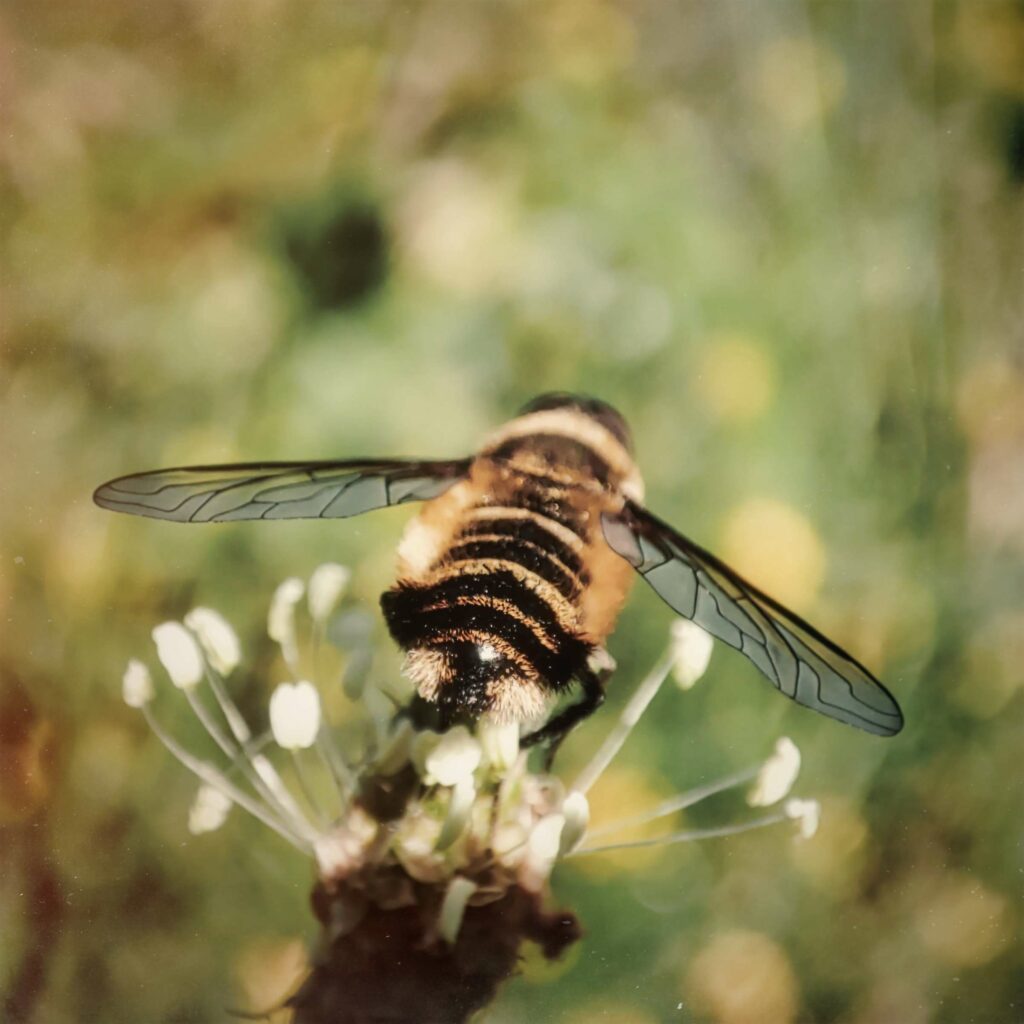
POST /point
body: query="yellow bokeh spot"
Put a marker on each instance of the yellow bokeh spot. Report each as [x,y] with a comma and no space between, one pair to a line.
[963,923]
[587,40]
[991,674]
[834,860]
[798,81]
[267,971]
[622,793]
[607,1012]
[742,977]
[736,378]
[458,227]
[775,547]
[990,401]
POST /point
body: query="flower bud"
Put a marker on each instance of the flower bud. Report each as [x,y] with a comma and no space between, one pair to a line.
[217,638]
[281,618]
[209,810]
[777,775]
[179,654]
[691,652]
[456,756]
[326,586]
[295,715]
[806,812]
[576,810]
[136,685]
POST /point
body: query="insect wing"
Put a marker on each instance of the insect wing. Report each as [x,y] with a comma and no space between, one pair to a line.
[802,664]
[277,490]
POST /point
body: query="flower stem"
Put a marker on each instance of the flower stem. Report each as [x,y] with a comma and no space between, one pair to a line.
[211,775]
[678,803]
[687,836]
[631,713]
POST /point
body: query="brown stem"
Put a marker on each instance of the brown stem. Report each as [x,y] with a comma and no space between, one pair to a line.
[389,965]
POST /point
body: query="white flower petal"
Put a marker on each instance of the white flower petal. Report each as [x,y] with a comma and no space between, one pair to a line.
[295,715]
[500,743]
[137,685]
[691,652]
[461,803]
[777,775]
[454,907]
[281,618]
[456,756]
[576,810]
[179,654]
[343,850]
[326,586]
[209,810]
[806,812]
[217,637]
[542,848]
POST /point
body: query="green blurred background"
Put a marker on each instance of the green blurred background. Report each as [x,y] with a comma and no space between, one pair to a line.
[785,238]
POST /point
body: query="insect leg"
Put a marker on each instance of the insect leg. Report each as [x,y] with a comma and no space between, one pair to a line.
[563,723]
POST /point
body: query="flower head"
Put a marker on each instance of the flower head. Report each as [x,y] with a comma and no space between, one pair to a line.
[458,812]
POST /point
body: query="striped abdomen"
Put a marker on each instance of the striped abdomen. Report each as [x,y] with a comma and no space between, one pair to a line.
[491,606]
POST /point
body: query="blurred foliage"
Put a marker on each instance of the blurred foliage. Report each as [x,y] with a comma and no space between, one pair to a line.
[784,238]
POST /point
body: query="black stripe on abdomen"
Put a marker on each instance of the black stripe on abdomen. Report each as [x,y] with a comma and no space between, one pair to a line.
[531,531]
[443,612]
[527,556]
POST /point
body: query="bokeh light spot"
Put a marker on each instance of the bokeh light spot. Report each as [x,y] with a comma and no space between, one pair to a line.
[775,547]
[743,977]
[736,378]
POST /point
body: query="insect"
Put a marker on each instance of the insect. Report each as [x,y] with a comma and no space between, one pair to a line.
[513,572]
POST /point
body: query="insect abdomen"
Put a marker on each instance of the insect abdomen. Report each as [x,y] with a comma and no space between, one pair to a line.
[493,624]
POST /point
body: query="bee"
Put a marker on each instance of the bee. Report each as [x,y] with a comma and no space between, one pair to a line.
[512,574]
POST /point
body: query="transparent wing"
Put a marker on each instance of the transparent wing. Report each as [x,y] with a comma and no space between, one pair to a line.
[277,490]
[803,664]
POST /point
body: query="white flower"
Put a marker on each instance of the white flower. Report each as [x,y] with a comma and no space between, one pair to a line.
[179,654]
[459,807]
[209,810]
[777,775]
[500,743]
[454,907]
[295,715]
[542,848]
[326,586]
[456,756]
[343,850]
[218,639]
[806,812]
[576,810]
[281,618]
[691,652]
[136,685]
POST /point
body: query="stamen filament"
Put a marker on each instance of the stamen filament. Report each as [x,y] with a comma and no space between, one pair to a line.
[678,803]
[258,769]
[306,789]
[209,774]
[631,713]
[690,835]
